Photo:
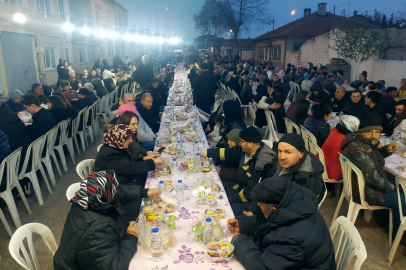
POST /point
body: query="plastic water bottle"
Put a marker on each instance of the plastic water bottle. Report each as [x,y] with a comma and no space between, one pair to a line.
[208,231]
[175,167]
[178,135]
[387,140]
[196,118]
[161,186]
[180,192]
[157,249]
[198,162]
[331,121]
[192,128]
[174,118]
[341,114]
[168,130]
[399,139]
[196,147]
[179,150]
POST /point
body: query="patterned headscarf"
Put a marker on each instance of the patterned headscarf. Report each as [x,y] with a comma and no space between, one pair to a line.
[98,189]
[71,94]
[117,136]
[350,122]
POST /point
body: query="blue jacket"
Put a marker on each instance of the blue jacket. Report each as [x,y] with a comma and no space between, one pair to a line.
[4,146]
[319,128]
[14,107]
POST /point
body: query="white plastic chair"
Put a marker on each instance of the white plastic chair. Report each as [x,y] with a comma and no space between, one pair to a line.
[271,132]
[11,163]
[64,140]
[34,151]
[85,167]
[78,124]
[95,122]
[348,244]
[324,197]
[203,115]
[17,244]
[244,107]
[89,127]
[307,135]
[49,151]
[348,169]
[217,104]
[400,182]
[5,223]
[295,88]
[253,115]
[98,147]
[102,109]
[71,191]
[290,126]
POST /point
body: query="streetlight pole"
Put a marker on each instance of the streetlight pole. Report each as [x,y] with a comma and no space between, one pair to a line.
[157,17]
[292,13]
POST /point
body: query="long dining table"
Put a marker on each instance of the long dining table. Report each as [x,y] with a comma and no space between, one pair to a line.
[187,253]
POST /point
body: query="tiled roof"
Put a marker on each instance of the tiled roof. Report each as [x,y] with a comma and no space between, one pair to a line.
[314,25]
[242,43]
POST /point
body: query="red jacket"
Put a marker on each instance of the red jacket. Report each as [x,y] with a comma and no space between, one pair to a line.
[331,148]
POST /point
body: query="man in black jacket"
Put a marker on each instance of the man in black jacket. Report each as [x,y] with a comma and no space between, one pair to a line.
[256,161]
[356,106]
[388,98]
[144,109]
[144,72]
[205,88]
[42,120]
[100,64]
[340,100]
[391,123]
[159,101]
[329,85]
[290,233]
[373,105]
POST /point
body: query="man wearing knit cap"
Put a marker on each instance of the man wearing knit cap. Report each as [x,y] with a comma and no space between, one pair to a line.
[362,149]
[255,160]
[290,233]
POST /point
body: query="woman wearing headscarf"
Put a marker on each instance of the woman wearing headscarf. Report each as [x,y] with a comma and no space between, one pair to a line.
[318,94]
[14,102]
[246,94]
[285,88]
[109,85]
[99,88]
[115,155]
[307,83]
[100,230]
[233,119]
[331,147]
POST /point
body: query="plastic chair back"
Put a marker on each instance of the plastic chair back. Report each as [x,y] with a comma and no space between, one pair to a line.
[71,191]
[324,197]
[317,151]
[273,133]
[63,136]
[51,138]
[88,114]
[17,244]
[98,147]
[253,115]
[11,163]
[217,104]
[85,167]
[35,150]
[401,182]
[81,116]
[347,244]
[290,126]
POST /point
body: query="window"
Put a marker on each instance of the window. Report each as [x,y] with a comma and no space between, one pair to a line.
[61,9]
[14,2]
[264,53]
[43,5]
[229,52]
[67,54]
[91,54]
[276,54]
[98,13]
[296,47]
[82,55]
[110,17]
[49,58]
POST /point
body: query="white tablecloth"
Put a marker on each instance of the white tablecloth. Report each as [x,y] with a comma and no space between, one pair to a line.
[393,162]
[187,253]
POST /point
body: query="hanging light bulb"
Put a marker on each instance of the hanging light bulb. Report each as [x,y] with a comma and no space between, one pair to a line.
[67,27]
[86,30]
[19,18]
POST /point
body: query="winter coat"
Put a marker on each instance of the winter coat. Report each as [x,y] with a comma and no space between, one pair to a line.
[371,161]
[42,98]
[149,116]
[338,105]
[306,85]
[99,88]
[286,89]
[319,128]
[17,133]
[96,238]
[259,166]
[156,97]
[294,236]
[354,109]
[143,74]
[246,95]
[144,132]
[388,103]
[205,87]
[279,114]
[4,147]
[331,148]
[330,87]
[136,148]
[42,122]
[127,169]
[61,114]
[14,107]
[307,172]
[378,109]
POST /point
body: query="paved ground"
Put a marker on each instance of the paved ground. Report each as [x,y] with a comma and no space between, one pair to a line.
[54,211]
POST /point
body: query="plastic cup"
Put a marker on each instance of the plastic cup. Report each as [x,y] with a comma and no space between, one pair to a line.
[198,234]
[171,221]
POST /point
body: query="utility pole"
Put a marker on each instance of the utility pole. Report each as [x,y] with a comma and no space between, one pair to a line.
[334,9]
[273,24]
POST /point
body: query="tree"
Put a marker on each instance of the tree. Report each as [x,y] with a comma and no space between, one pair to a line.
[384,21]
[209,20]
[359,45]
[343,13]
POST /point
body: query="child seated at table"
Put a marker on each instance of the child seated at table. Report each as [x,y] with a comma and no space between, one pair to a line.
[215,136]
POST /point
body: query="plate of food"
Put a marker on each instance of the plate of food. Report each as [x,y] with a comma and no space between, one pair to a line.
[217,213]
[220,251]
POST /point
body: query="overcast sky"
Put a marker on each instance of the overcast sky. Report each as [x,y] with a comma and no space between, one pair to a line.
[180,13]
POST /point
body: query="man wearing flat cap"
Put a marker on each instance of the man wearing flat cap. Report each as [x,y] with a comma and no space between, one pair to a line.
[204,88]
[255,160]
[362,149]
[290,233]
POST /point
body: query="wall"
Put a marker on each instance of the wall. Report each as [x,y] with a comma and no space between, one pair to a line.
[247,54]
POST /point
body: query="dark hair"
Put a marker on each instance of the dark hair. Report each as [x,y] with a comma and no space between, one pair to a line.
[375,86]
[320,110]
[154,80]
[84,91]
[289,64]
[374,96]
[301,112]
[34,86]
[56,102]
[314,68]
[402,116]
[64,99]
[390,89]
[64,83]
[276,93]
[365,74]
[332,75]
[340,71]
[370,82]
[126,117]
[28,100]
[219,119]
[381,82]
[78,81]
[278,88]
[235,73]
[302,94]
[356,91]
